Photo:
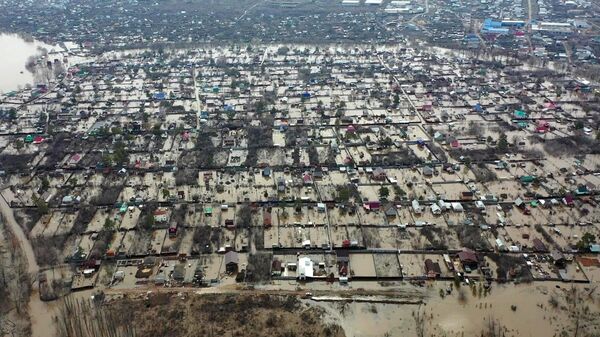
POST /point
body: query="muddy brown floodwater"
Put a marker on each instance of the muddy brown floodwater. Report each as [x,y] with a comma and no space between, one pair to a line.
[12,64]
[41,313]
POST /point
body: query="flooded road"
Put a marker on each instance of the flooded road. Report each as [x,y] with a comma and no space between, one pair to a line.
[7,213]
[14,55]
[40,312]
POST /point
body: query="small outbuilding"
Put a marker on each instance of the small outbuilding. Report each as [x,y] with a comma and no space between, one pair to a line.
[231,262]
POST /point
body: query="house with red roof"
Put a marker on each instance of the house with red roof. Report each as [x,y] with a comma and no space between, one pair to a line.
[38,140]
[307,179]
[542,126]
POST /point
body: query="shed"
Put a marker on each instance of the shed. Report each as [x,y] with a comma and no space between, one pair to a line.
[427,171]
[276,268]
[457,207]
[390,211]
[178,273]
[416,206]
[231,262]
[559,258]
[432,269]
[539,246]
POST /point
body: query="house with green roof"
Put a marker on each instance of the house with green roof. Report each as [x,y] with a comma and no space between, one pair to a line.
[527,179]
[520,114]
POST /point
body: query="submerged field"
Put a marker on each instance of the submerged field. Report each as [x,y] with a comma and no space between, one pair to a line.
[550,309]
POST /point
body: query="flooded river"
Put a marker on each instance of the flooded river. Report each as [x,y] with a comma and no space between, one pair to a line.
[13,56]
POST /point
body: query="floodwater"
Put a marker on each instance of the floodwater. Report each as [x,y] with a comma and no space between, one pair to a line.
[531,315]
[39,312]
[14,54]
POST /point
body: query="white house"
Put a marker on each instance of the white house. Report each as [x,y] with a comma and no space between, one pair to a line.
[305,268]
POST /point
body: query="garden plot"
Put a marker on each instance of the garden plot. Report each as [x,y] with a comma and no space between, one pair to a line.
[371,192]
[421,152]
[193,216]
[387,265]
[138,242]
[47,225]
[228,240]
[523,236]
[381,237]
[588,214]
[69,248]
[157,241]
[473,237]
[572,272]
[564,215]
[130,219]
[517,217]
[210,216]
[114,244]
[341,233]
[505,189]
[362,265]
[86,243]
[187,242]
[455,218]
[342,217]
[428,217]
[567,237]
[449,191]
[437,237]
[66,224]
[371,218]
[414,265]
[171,244]
[296,236]
[100,218]
[212,266]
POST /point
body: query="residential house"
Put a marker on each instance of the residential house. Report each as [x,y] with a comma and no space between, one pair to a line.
[468,259]
[305,268]
[161,215]
[379,174]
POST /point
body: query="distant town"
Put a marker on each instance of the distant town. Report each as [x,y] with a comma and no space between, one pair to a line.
[330,151]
